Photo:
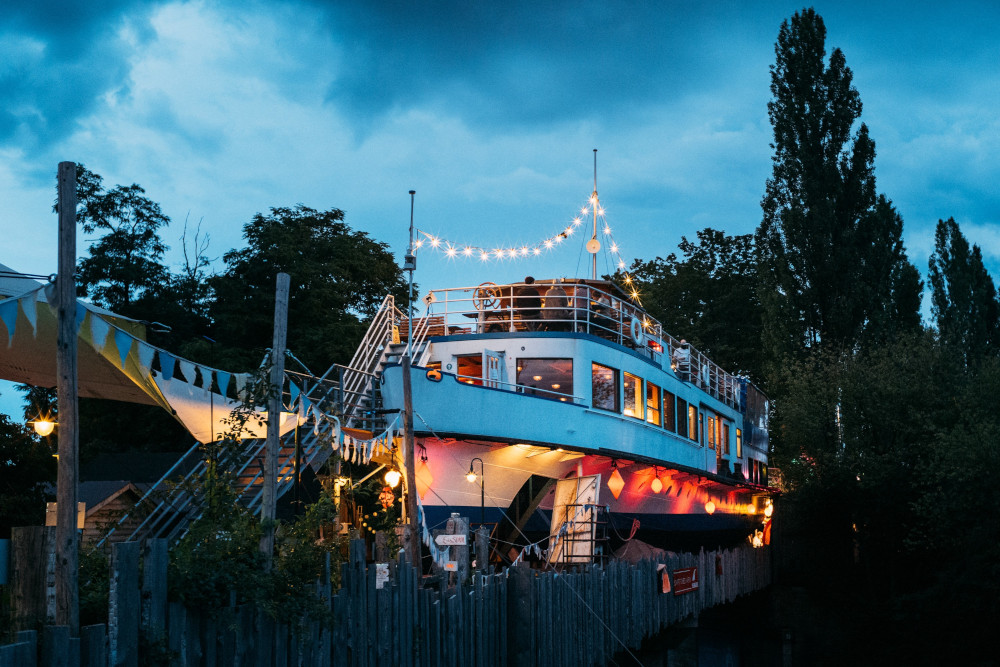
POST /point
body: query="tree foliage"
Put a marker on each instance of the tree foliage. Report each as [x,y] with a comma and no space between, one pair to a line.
[708,296]
[963,297]
[338,279]
[26,466]
[833,266]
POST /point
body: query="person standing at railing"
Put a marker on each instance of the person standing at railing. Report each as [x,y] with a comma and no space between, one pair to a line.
[528,302]
[554,310]
[681,359]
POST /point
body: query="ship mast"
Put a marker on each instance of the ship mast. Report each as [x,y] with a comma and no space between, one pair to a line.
[594,244]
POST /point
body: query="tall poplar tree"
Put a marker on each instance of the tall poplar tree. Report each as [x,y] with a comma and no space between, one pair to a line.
[963,296]
[833,267]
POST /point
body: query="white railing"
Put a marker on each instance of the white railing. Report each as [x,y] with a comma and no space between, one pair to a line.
[574,307]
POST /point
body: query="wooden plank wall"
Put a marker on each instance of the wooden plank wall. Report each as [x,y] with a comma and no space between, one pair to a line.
[521,616]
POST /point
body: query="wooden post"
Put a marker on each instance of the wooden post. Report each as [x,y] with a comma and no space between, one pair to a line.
[31,548]
[67,542]
[412,541]
[482,549]
[268,511]
[123,605]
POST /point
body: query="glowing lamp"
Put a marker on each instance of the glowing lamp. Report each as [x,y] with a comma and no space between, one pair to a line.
[710,507]
[424,479]
[392,478]
[616,483]
[751,510]
[44,427]
[769,510]
[471,476]
[657,485]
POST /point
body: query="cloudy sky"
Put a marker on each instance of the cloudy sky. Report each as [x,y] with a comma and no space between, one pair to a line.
[490,111]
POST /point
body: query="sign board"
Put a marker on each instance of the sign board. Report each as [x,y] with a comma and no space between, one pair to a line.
[685,580]
[381,575]
[451,566]
[574,520]
[50,514]
[450,540]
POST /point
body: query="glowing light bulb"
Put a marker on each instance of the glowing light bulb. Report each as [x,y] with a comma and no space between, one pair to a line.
[584,210]
[621,264]
[498,252]
[392,478]
[467,251]
[600,211]
[614,247]
[419,244]
[471,476]
[576,221]
[569,230]
[485,256]
[451,252]
[710,507]
[548,243]
[607,230]
[524,250]
[435,242]
[628,279]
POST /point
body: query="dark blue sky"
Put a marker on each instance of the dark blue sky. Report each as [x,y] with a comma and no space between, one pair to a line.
[489,110]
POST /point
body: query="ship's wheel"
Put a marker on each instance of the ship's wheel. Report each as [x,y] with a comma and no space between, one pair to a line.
[486,297]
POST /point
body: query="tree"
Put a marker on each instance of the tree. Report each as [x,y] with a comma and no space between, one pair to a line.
[339,278]
[708,297]
[123,265]
[963,297]
[833,267]
[26,466]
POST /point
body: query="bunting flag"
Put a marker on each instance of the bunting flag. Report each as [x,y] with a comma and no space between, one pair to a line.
[187,370]
[222,378]
[241,384]
[294,391]
[99,330]
[123,342]
[81,315]
[166,365]
[146,353]
[30,310]
[8,314]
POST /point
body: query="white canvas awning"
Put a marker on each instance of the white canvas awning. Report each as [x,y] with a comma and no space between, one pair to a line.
[115,362]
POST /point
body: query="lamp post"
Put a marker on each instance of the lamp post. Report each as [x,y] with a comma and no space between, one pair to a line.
[471,476]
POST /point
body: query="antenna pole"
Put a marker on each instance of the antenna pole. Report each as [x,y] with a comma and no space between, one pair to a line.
[410,541]
[594,204]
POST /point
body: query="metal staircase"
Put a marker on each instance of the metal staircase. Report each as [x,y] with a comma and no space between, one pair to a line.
[349,393]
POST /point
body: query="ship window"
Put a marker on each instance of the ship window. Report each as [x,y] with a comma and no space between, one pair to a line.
[433,365]
[711,432]
[633,394]
[682,409]
[693,422]
[470,369]
[669,419]
[552,378]
[604,384]
[652,403]
[725,439]
[739,444]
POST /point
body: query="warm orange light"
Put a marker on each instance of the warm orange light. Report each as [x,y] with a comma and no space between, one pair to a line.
[769,510]
[392,478]
[656,485]
[751,509]
[44,427]
[616,483]
[710,507]
[424,479]
[471,476]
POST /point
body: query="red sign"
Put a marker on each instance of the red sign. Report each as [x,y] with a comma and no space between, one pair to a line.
[685,580]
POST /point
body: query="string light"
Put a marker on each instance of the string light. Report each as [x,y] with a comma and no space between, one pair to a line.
[485,254]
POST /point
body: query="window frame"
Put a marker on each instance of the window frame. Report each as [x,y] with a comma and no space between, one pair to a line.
[615,383]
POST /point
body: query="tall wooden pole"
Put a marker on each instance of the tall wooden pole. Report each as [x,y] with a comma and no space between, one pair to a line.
[412,526]
[67,548]
[268,511]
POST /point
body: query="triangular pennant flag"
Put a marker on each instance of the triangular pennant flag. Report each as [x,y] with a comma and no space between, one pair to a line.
[50,294]
[81,314]
[30,312]
[99,330]
[146,353]
[123,341]
[187,370]
[241,383]
[293,390]
[8,313]
[166,365]
[223,379]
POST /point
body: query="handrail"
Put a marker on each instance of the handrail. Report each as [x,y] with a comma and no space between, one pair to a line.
[518,388]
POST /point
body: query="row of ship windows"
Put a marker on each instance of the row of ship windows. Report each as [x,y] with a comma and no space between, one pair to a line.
[618,392]
[661,408]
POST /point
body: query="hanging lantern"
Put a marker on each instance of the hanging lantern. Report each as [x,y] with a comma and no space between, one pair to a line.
[656,484]
[386,497]
[710,507]
[424,478]
[615,481]
[392,478]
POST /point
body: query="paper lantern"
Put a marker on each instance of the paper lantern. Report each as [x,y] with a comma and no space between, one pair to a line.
[616,483]
[424,479]
[710,507]
[656,485]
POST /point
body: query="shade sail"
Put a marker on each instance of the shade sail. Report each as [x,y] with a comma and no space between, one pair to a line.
[115,362]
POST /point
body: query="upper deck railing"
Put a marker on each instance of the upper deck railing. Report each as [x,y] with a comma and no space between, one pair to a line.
[574,306]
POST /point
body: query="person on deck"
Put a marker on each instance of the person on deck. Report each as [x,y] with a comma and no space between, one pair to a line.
[681,359]
[527,302]
[555,311]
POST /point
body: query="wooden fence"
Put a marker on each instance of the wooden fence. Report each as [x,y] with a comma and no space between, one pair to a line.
[521,616]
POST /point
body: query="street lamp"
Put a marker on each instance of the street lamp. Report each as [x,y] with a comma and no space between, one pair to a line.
[471,476]
[43,427]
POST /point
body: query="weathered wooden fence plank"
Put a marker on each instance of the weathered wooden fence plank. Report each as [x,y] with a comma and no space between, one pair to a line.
[154,589]
[123,605]
[93,646]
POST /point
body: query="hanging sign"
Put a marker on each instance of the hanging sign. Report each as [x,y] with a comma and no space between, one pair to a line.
[450,540]
[685,580]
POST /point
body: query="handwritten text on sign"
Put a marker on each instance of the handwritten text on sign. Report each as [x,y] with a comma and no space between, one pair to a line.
[450,540]
[685,580]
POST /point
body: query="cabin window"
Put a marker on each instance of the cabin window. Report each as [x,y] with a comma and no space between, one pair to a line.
[711,432]
[739,444]
[725,439]
[433,365]
[652,403]
[669,418]
[604,385]
[693,422]
[682,410]
[470,369]
[633,394]
[552,378]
